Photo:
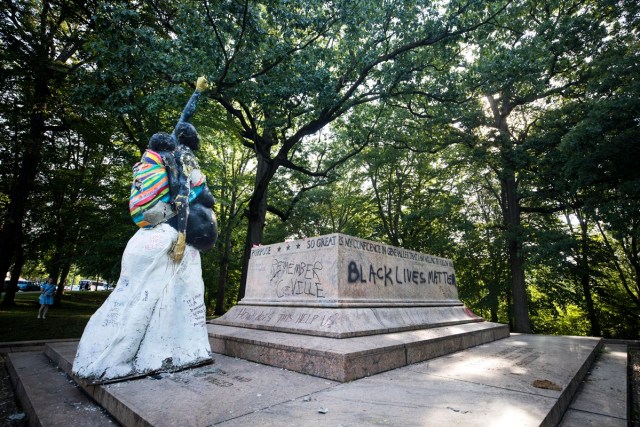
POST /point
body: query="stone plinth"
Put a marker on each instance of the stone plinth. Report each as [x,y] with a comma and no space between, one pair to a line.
[348,359]
[342,271]
[343,308]
[340,286]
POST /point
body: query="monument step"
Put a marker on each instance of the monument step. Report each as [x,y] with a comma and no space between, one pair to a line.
[602,398]
[524,380]
[49,397]
[348,359]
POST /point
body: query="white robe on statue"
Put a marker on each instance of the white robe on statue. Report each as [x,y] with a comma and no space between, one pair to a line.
[155,318]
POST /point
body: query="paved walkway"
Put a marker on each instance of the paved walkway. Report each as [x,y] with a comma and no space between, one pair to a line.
[602,398]
[471,387]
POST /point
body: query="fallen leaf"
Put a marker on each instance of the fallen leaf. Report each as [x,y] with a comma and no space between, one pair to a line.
[546,384]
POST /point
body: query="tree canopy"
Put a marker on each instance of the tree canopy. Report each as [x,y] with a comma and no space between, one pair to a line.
[499,134]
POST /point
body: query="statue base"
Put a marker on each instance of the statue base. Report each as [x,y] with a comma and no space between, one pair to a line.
[348,359]
[342,308]
[345,322]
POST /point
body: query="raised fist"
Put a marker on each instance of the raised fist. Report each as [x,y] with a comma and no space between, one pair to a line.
[202,84]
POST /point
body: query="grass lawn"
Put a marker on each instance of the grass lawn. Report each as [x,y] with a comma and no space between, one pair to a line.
[19,323]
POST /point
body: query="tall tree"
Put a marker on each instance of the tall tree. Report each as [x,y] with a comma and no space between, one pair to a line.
[583,147]
[284,71]
[537,55]
[341,54]
[40,41]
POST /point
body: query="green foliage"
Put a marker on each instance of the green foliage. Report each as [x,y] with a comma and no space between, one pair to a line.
[67,321]
[554,319]
[400,121]
[227,167]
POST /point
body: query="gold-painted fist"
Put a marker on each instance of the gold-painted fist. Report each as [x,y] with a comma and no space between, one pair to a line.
[202,84]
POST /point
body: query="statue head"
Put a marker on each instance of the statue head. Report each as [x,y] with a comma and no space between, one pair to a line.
[162,141]
[187,135]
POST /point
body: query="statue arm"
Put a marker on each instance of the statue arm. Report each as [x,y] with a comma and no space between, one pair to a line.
[190,108]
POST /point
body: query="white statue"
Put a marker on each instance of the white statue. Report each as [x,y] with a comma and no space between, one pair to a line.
[155,319]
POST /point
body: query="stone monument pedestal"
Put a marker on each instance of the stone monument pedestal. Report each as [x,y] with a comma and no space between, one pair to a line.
[343,308]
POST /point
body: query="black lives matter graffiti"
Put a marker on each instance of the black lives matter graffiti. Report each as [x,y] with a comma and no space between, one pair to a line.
[394,275]
[437,272]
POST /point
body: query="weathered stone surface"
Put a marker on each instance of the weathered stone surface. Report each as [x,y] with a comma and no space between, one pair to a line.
[348,359]
[343,308]
[602,398]
[491,384]
[340,286]
[48,397]
[343,271]
[344,322]
[203,396]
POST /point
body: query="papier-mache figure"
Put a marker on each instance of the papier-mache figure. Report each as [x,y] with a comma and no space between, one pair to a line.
[160,192]
[154,321]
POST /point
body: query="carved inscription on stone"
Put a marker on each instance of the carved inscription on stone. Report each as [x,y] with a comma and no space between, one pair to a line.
[267,316]
[222,378]
[340,267]
[519,356]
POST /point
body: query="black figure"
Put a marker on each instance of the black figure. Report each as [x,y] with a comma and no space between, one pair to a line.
[190,197]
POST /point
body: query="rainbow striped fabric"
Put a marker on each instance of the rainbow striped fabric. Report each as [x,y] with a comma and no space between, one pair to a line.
[150,185]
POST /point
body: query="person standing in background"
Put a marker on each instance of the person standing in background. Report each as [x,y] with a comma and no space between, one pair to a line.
[47,292]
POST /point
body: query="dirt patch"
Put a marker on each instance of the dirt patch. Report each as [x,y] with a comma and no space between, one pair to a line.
[633,364]
[11,414]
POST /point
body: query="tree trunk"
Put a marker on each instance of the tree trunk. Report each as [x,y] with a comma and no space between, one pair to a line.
[225,256]
[256,215]
[222,284]
[494,293]
[521,322]
[64,272]
[223,279]
[585,280]
[10,294]
[510,309]
[495,284]
[25,180]
[58,253]
[511,212]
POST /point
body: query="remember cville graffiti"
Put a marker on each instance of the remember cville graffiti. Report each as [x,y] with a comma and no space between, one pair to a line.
[296,278]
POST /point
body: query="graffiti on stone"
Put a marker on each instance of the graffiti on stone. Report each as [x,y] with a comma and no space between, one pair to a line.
[296,278]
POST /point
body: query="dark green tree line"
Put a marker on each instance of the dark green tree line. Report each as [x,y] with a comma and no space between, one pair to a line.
[41,42]
[500,135]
